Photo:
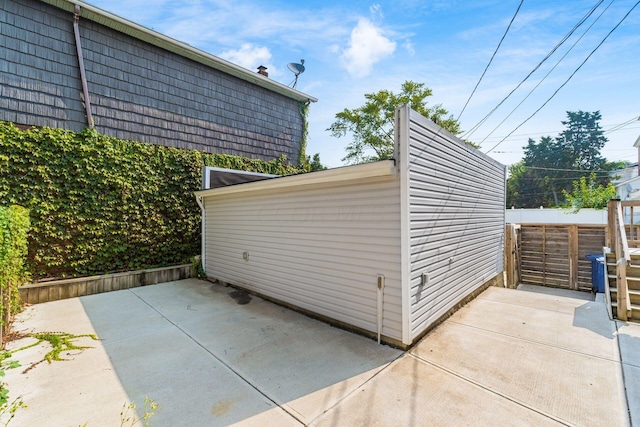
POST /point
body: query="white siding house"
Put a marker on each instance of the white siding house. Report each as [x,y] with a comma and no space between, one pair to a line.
[387,248]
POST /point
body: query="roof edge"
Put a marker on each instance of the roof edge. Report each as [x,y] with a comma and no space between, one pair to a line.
[140,32]
[346,173]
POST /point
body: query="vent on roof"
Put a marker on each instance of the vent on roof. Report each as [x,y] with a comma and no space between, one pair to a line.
[263,71]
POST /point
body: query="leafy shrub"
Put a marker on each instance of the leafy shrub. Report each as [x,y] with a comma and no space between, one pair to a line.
[14,225]
[100,204]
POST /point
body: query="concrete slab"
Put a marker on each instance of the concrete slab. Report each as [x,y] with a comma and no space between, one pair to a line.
[414,393]
[118,315]
[66,393]
[629,341]
[507,358]
[576,325]
[193,387]
[300,363]
[191,348]
[561,383]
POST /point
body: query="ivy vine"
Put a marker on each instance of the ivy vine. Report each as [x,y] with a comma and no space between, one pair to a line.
[100,204]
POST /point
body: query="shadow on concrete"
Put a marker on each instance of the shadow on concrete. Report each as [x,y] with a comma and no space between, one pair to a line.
[211,358]
[593,317]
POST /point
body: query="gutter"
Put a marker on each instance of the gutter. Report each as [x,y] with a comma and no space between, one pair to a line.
[155,38]
[83,73]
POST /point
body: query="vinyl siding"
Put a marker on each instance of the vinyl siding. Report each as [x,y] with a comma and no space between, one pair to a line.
[456,199]
[318,247]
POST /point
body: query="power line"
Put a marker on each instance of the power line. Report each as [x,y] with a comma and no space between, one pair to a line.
[548,73]
[569,78]
[613,128]
[566,170]
[621,125]
[560,43]
[491,60]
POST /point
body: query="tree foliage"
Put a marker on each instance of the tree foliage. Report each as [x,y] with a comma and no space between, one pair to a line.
[14,226]
[587,193]
[551,165]
[371,125]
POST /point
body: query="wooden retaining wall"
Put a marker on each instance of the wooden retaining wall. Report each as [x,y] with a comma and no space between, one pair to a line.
[35,293]
[554,254]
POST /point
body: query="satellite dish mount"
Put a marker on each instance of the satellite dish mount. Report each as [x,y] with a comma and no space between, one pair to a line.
[296,69]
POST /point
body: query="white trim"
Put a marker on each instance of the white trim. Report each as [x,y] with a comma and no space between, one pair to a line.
[203,241]
[402,159]
[132,29]
[347,173]
[629,181]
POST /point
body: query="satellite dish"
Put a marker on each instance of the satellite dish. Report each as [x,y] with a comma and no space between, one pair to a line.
[296,69]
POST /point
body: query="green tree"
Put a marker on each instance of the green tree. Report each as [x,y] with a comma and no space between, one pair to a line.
[589,194]
[313,164]
[551,165]
[372,124]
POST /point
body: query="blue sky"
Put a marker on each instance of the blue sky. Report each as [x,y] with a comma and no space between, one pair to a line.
[357,47]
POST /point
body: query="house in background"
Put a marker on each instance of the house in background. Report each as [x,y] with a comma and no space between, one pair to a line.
[627,181]
[68,64]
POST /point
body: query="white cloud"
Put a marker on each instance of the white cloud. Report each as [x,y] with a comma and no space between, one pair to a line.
[409,48]
[367,46]
[249,56]
[376,11]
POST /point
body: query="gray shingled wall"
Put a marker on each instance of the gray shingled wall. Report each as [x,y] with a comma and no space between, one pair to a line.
[138,91]
[39,83]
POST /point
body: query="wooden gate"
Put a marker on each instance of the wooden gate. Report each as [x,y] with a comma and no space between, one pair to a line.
[554,254]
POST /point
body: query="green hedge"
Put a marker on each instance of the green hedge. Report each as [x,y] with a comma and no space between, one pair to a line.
[14,225]
[99,204]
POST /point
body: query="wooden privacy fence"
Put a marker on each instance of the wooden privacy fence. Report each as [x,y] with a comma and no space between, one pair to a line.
[552,254]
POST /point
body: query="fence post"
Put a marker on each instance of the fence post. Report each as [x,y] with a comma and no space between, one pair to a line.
[610,231]
[573,257]
[508,254]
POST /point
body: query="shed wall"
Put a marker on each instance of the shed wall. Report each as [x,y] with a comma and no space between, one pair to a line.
[137,90]
[456,201]
[318,247]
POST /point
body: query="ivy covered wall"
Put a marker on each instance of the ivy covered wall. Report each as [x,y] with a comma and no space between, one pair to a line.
[100,204]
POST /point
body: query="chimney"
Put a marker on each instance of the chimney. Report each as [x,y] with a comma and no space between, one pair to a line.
[263,70]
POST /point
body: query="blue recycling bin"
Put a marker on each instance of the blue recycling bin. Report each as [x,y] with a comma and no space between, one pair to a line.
[597,271]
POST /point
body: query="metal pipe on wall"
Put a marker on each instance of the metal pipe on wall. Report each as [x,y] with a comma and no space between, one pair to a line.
[83,76]
[380,303]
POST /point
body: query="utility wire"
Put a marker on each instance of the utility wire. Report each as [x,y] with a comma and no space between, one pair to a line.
[566,170]
[621,125]
[490,60]
[548,73]
[560,43]
[569,78]
[610,128]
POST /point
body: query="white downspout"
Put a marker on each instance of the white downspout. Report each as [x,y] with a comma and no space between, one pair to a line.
[203,229]
[380,303]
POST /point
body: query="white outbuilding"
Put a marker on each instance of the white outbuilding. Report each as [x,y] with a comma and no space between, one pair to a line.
[386,248]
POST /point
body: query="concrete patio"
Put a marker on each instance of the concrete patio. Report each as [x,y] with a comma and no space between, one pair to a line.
[528,357]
